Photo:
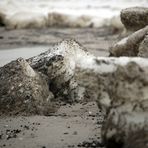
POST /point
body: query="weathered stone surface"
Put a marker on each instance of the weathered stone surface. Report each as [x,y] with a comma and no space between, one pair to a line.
[22,90]
[59,64]
[137,139]
[129,46]
[95,75]
[143,48]
[126,127]
[124,99]
[134,18]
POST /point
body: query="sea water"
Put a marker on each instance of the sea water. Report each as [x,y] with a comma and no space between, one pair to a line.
[99,12]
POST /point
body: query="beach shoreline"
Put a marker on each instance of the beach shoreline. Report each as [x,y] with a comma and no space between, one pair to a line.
[96,40]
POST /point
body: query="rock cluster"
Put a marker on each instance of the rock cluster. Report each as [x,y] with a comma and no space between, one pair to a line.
[130,46]
[27,86]
[66,71]
[123,93]
[136,43]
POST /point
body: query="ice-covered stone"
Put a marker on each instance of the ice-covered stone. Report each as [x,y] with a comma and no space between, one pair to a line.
[123,96]
[59,64]
[93,74]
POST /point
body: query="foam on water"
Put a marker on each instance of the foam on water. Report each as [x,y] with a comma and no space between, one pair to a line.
[100,12]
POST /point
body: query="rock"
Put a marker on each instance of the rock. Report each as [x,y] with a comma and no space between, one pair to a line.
[87,80]
[121,88]
[126,128]
[129,46]
[59,64]
[123,97]
[138,139]
[65,64]
[109,79]
[22,90]
[134,18]
[143,48]
[95,75]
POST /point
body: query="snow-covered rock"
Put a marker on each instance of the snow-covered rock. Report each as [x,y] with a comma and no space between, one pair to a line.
[59,64]
[123,96]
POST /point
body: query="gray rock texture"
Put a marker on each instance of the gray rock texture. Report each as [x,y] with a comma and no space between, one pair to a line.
[22,90]
[123,98]
[129,46]
[134,18]
[143,47]
[58,64]
[119,85]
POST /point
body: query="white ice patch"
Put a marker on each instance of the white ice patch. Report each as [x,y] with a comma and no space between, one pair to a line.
[107,64]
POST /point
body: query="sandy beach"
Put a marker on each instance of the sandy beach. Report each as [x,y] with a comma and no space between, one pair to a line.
[73,74]
[71,126]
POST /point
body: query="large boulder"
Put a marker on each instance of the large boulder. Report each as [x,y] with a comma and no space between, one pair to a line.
[129,46]
[134,18]
[22,90]
[59,64]
[126,127]
[67,66]
[123,97]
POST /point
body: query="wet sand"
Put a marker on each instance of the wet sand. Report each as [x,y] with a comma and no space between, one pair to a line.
[71,126]
[96,40]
